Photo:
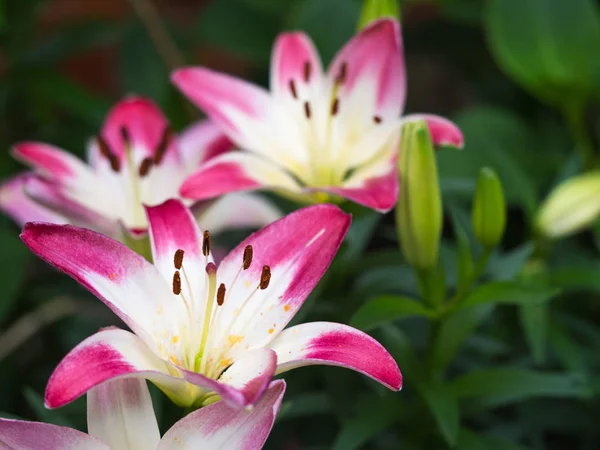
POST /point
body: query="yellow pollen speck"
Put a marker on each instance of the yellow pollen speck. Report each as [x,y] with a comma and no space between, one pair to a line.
[226,362]
[160,309]
[173,360]
[247,284]
[175,339]
[235,339]
[286,308]
[271,330]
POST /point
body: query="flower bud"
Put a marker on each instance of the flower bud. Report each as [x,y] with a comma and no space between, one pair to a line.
[570,207]
[489,209]
[419,209]
[377,9]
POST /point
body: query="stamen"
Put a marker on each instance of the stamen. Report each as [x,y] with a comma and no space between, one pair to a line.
[145,166]
[377,119]
[247,257]
[206,244]
[342,73]
[178,259]
[265,277]
[307,71]
[163,145]
[105,151]
[307,110]
[335,106]
[176,283]
[293,89]
[125,135]
[221,294]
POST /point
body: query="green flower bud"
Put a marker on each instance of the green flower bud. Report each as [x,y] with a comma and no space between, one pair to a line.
[489,209]
[570,207]
[419,209]
[376,9]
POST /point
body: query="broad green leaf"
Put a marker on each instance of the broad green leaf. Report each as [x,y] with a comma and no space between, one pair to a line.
[506,266]
[576,278]
[443,404]
[469,440]
[372,418]
[454,331]
[464,263]
[534,320]
[36,403]
[489,388]
[567,349]
[306,404]
[548,46]
[508,292]
[400,347]
[385,280]
[385,309]
[13,260]
[360,234]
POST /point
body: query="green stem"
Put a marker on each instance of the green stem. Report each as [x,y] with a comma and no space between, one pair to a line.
[574,115]
[477,272]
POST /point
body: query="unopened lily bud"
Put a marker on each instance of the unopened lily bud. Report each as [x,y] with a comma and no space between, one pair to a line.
[489,209]
[570,207]
[377,9]
[419,209]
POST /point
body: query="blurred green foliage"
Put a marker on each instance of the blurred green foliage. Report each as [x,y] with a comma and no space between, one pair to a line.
[510,358]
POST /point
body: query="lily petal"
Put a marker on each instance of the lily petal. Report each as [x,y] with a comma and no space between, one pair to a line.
[243,383]
[16,204]
[237,210]
[295,63]
[219,427]
[120,413]
[53,162]
[145,125]
[443,131]
[22,435]
[232,103]
[202,141]
[297,250]
[375,54]
[335,344]
[128,284]
[109,354]
[233,172]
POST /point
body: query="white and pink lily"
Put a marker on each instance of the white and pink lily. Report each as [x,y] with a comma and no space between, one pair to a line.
[316,133]
[121,417]
[199,331]
[135,160]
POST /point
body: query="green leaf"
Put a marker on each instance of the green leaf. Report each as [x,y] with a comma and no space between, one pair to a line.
[508,292]
[464,263]
[307,404]
[489,388]
[506,266]
[36,402]
[548,46]
[443,404]
[454,331]
[576,278]
[374,416]
[400,347]
[468,440]
[13,260]
[385,309]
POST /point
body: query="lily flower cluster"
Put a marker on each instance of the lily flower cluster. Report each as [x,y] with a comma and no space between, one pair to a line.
[213,336]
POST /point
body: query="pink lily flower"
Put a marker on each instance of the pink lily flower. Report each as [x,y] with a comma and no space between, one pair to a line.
[121,417]
[315,132]
[199,331]
[135,160]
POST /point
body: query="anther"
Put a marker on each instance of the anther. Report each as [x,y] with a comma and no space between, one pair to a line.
[376,119]
[206,244]
[247,257]
[125,135]
[115,164]
[335,106]
[163,145]
[176,283]
[307,110]
[178,259]
[306,71]
[105,151]
[342,73]
[293,89]
[265,277]
[145,167]
[221,294]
